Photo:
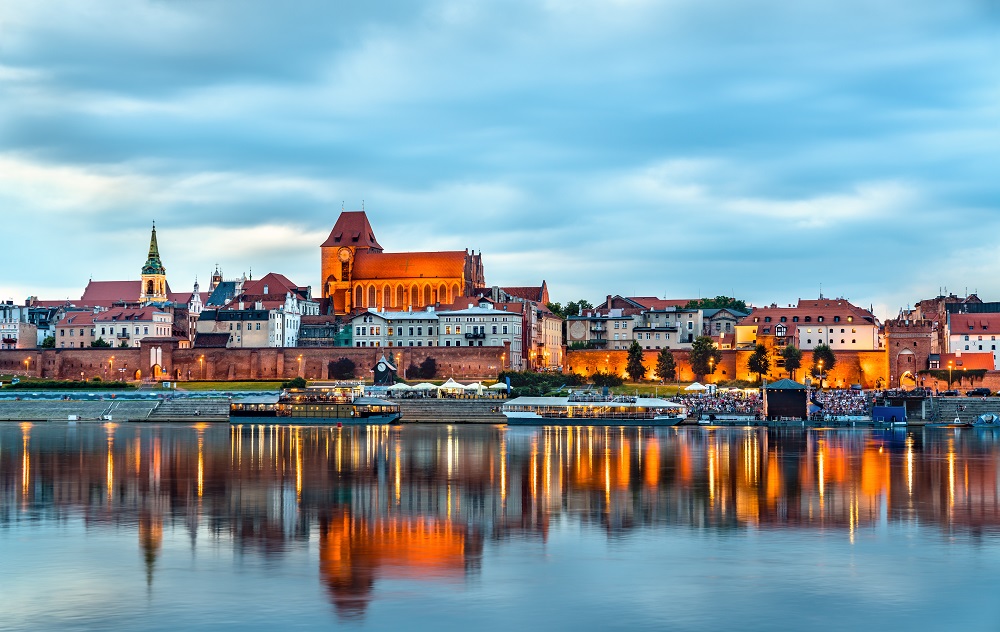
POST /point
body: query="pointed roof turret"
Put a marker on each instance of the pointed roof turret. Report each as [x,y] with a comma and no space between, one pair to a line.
[153,263]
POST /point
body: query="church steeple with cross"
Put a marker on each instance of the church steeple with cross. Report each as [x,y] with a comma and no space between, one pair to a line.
[154,275]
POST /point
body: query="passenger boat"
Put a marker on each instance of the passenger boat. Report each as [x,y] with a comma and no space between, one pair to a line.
[342,403]
[588,409]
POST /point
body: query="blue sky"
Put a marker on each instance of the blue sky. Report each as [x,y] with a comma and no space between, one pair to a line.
[674,148]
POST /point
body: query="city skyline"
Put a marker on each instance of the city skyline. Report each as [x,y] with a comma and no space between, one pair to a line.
[631,148]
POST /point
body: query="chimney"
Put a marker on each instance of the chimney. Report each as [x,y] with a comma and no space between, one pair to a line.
[242,307]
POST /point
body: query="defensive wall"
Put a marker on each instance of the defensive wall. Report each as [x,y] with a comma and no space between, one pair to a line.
[167,362]
[868,368]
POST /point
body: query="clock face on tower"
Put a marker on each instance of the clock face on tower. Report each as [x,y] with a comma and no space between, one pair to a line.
[344,254]
[381,366]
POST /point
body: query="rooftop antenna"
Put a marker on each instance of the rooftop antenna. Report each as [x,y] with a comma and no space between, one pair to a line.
[362,206]
[342,205]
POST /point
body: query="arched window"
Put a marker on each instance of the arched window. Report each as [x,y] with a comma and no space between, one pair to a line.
[358,296]
[427,295]
[399,296]
[371,296]
[454,293]
[414,296]
[386,297]
[149,287]
[443,293]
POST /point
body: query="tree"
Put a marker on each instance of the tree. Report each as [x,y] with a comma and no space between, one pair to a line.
[342,369]
[823,361]
[760,361]
[606,379]
[793,359]
[666,366]
[719,302]
[705,356]
[634,367]
[100,342]
[573,308]
[123,344]
[295,382]
[428,368]
[49,342]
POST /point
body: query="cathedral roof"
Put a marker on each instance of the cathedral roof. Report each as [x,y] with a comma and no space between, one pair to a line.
[352,229]
[409,265]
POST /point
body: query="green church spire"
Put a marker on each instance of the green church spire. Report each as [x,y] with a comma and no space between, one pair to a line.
[153,263]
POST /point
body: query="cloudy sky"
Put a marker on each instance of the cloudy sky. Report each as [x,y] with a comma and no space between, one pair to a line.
[673,148]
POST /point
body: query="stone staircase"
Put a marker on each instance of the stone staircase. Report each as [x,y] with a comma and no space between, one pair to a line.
[84,410]
[191,409]
[451,411]
[965,408]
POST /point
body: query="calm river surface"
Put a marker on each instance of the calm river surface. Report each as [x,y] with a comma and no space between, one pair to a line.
[171,527]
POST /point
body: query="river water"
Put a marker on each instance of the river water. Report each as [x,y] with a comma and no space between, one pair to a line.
[210,527]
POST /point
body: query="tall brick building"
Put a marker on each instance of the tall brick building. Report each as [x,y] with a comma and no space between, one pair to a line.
[357,274]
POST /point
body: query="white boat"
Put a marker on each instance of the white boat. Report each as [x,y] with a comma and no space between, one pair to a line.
[584,409]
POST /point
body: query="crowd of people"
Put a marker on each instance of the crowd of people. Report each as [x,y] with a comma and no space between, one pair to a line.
[843,402]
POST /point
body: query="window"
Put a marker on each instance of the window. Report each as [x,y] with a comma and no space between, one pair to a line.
[809,341]
[364,331]
[447,343]
[136,331]
[494,328]
[767,319]
[145,331]
[966,347]
[795,319]
[819,319]
[357,331]
[458,329]
[447,330]
[420,332]
[784,319]
[258,326]
[690,325]
[411,331]
[505,328]
[966,339]
[841,331]
[102,331]
[808,319]
[836,319]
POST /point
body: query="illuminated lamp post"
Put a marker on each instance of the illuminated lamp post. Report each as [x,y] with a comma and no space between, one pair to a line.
[27,363]
[399,359]
[300,367]
[821,375]
[711,366]
[951,365]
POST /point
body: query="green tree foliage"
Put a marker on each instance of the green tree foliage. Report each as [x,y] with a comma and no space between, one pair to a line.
[428,368]
[793,359]
[702,351]
[634,367]
[342,369]
[295,382]
[719,302]
[573,308]
[666,366]
[825,354]
[606,379]
[49,342]
[760,361]
[100,342]
[123,344]
[534,384]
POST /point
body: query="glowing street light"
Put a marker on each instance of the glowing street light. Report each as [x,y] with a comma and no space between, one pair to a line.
[950,367]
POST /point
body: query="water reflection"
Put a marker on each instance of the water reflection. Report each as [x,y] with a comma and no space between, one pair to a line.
[418,503]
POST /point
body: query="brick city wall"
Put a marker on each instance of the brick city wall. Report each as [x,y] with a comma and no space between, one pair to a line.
[852,367]
[243,364]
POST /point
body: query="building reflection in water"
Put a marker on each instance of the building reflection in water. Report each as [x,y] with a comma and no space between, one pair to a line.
[418,503]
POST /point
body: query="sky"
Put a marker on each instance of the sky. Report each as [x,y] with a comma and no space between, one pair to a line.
[765,149]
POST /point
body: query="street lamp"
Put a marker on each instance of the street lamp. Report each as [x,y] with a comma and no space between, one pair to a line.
[950,367]
[201,366]
[711,365]
[820,363]
[300,366]
[27,363]
[399,358]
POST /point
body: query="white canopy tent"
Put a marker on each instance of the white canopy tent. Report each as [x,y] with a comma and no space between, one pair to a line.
[425,386]
[695,386]
[451,386]
[399,387]
[498,386]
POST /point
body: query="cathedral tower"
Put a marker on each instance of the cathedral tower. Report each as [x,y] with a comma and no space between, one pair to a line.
[154,275]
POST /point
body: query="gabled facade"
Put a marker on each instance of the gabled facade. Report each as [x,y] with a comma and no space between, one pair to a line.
[833,322]
[357,274]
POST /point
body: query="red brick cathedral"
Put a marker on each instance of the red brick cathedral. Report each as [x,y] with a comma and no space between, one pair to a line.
[357,274]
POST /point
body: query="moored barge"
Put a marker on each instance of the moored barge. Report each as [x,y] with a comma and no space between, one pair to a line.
[342,403]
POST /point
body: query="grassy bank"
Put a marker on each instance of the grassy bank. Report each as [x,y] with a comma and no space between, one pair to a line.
[228,386]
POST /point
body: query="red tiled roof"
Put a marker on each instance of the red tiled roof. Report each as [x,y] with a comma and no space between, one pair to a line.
[76,319]
[409,265]
[273,281]
[125,314]
[651,302]
[185,297]
[528,293]
[975,323]
[827,308]
[352,229]
[50,303]
[104,293]
[967,360]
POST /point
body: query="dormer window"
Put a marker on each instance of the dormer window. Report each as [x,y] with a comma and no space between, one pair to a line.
[819,320]
[795,319]
[836,319]
[784,319]
[808,319]
[767,319]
